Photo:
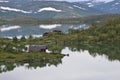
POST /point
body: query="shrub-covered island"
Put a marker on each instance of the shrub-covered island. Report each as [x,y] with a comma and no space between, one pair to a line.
[15,49]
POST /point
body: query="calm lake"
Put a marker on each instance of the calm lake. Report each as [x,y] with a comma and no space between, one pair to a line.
[78,66]
[88,63]
[37,31]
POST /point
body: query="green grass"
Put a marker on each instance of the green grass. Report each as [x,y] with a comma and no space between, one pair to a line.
[9,57]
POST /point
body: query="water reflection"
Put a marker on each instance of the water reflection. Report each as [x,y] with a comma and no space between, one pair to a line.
[10,66]
[109,51]
[78,66]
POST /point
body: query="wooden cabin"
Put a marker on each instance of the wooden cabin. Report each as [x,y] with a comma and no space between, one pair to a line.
[36,48]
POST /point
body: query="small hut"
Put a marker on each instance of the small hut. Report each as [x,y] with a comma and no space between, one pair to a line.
[36,48]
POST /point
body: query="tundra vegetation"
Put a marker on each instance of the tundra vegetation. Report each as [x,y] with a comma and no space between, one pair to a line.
[99,39]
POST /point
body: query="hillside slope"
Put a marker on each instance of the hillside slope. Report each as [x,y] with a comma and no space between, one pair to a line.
[44,9]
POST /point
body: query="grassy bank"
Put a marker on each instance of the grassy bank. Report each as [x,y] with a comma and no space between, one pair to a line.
[9,57]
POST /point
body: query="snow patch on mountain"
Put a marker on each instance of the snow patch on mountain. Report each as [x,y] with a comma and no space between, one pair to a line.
[116,4]
[13,9]
[70,7]
[9,28]
[90,4]
[105,1]
[79,7]
[49,9]
[3,1]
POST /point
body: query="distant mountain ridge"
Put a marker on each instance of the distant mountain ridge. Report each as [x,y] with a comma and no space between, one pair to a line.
[44,9]
[111,6]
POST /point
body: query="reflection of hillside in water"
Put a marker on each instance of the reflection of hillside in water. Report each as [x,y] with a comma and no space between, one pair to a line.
[111,51]
[10,66]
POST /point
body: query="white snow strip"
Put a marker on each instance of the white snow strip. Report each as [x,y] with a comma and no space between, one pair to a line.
[49,9]
[70,7]
[3,1]
[9,28]
[105,1]
[79,7]
[90,5]
[13,9]
[117,3]
[50,26]
[108,1]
